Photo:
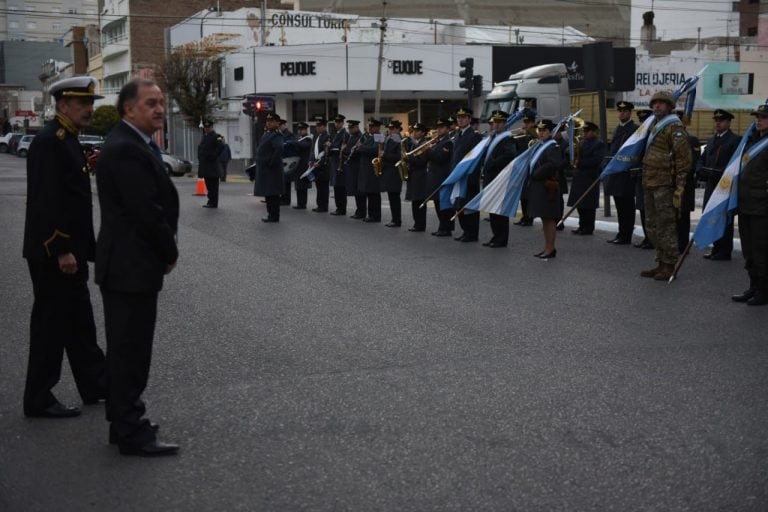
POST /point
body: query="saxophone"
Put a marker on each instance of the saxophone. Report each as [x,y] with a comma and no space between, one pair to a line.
[402,164]
[378,162]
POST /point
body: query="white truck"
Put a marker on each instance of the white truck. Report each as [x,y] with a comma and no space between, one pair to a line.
[541,88]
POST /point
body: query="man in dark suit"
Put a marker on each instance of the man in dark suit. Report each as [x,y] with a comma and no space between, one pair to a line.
[208,152]
[58,243]
[466,138]
[269,167]
[351,168]
[136,247]
[369,182]
[621,185]
[718,152]
[320,146]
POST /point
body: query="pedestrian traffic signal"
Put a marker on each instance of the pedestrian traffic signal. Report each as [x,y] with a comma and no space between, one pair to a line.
[477,85]
[466,73]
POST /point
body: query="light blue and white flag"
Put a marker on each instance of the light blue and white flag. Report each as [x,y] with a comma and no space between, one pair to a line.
[631,152]
[725,197]
[455,185]
[502,195]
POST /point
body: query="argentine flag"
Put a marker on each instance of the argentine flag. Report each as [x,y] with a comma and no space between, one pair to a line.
[502,195]
[455,185]
[631,152]
[724,198]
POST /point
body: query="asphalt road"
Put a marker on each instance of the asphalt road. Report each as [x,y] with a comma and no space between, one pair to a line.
[324,364]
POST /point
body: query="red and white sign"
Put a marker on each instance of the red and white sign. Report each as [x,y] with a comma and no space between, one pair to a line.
[26,113]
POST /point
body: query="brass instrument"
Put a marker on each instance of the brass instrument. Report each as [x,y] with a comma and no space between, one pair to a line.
[578,124]
[419,150]
[378,162]
[402,164]
[353,150]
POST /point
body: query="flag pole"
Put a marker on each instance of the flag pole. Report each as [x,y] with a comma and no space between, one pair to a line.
[578,201]
[430,196]
[680,260]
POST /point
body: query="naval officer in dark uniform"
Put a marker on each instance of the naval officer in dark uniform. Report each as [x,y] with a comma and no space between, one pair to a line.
[438,168]
[58,243]
[621,185]
[502,149]
[466,138]
[336,165]
[208,152]
[416,187]
[269,167]
[718,152]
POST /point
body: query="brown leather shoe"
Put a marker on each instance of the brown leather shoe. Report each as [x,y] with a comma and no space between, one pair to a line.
[651,272]
[665,272]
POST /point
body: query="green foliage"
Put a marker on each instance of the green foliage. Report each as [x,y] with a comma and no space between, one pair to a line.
[103,120]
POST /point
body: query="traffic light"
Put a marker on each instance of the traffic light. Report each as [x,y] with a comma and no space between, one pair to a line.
[477,85]
[466,73]
[250,108]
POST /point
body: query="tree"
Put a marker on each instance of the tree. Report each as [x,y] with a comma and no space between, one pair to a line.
[189,76]
[103,120]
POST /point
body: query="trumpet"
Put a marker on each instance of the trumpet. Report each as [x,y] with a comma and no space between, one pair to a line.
[378,162]
[419,150]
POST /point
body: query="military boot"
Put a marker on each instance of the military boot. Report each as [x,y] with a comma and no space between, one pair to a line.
[652,271]
[665,272]
[760,298]
[748,293]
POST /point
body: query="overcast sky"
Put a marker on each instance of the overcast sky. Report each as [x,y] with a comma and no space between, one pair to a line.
[676,19]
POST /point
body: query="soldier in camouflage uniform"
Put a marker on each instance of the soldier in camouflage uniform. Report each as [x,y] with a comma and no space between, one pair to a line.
[666,167]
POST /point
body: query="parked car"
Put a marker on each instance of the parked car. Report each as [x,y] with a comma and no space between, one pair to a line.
[5,141]
[91,142]
[23,147]
[14,142]
[176,166]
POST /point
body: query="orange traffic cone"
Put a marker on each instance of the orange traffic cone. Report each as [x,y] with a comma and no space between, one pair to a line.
[201,190]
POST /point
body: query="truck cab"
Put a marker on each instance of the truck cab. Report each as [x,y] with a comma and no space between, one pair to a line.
[541,88]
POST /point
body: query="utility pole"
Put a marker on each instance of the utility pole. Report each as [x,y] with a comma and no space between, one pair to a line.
[383,28]
[263,22]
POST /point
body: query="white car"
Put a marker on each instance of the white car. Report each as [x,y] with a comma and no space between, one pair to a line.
[23,147]
[5,142]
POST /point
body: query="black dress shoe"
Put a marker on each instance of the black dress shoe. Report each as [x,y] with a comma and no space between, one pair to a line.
[619,241]
[209,206]
[720,257]
[645,244]
[320,210]
[339,212]
[151,449]
[543,256]
[371,220]
[393,224]
[760,298]
[523,222]
[113,437]
[299,207]
[496,245]
[416,230]
[459,238]
[269,219]
[94,400]
[57,410]
[744,296]
[577,231]
[356,216]
[442,233]
[488,243]
[468,239]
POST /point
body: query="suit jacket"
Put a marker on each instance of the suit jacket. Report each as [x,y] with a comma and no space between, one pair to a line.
[493,163]
[59,216]
[439,162]
[715,157]
[139,215]
[334,156]
[303,147]
[368,182]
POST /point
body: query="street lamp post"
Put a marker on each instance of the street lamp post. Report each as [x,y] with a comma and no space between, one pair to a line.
[210,10]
